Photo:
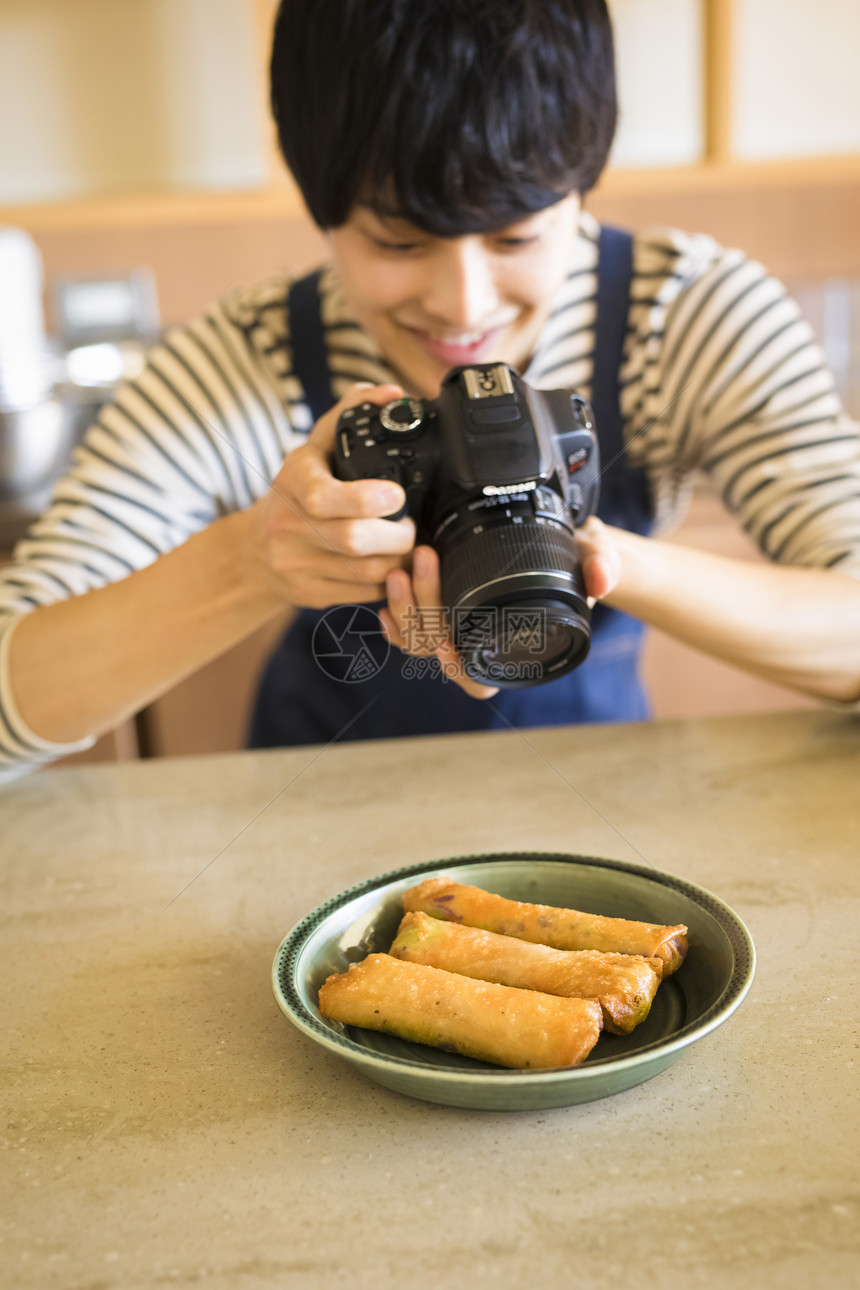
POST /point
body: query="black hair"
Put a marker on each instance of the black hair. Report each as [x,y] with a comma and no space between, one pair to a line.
[460,116]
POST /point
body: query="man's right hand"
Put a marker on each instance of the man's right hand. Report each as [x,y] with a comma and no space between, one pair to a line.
[81,665]
[325,541]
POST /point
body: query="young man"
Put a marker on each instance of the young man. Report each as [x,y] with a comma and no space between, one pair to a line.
[446,149]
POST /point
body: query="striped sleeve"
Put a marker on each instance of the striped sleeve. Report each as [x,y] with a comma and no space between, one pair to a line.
[724,376]
[201,432]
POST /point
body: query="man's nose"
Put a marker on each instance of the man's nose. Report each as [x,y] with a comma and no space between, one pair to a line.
[461,290]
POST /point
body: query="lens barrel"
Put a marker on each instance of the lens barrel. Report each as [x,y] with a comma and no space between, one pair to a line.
[518,601]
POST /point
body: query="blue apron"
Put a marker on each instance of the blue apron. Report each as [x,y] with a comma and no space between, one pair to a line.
[300,703]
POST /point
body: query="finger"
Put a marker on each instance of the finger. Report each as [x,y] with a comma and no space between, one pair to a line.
[426,581]
[433,622]
[402,619]
[372,498]
[405,627]
[452,667]
[307,486]
[306,482]
[361,569]
[335,566]
[600,572]
[601,560]
[369,537]
[389,626]
[415,628]
[305,561]
[322,594]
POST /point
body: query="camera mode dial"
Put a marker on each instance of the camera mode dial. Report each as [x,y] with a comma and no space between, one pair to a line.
[373,443]
[402,417]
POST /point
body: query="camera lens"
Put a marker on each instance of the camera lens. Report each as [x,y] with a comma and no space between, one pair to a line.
[545,641]
[517,596]
[533,643]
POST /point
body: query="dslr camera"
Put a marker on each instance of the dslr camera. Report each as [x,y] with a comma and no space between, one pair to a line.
[497,475]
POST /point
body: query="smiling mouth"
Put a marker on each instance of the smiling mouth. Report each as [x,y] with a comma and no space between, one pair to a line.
[457,347]
[460,338]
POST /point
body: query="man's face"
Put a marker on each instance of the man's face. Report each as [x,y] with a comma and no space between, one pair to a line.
[433,303]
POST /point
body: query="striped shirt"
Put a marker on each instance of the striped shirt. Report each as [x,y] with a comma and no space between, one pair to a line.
[721,376]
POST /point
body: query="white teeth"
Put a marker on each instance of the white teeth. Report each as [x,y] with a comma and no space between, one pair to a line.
[464,338]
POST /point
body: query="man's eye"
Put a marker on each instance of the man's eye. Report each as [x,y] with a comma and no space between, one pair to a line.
[517,243]
[401,248]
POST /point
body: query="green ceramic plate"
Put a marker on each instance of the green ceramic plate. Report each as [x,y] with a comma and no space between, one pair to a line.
[706,990]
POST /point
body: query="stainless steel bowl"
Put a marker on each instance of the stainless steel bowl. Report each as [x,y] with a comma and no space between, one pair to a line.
[35,446]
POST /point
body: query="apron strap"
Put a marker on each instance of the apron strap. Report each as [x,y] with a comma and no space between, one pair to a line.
[307,338]
[625,497]
[614,274]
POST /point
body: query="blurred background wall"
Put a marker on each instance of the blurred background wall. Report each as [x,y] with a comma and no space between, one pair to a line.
[135,134]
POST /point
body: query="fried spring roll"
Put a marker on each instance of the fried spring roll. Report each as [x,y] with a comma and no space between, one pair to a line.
[517,1028]
[623,984]
[563,929]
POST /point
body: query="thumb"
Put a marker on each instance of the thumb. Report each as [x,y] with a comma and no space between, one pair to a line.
[601,560]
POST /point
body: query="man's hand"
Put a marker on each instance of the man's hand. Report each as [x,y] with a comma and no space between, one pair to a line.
[324,539]
[600,558]
[408,598]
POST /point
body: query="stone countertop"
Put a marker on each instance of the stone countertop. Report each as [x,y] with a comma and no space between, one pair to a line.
[166,1126]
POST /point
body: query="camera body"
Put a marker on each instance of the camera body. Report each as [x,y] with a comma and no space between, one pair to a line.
[497,475]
